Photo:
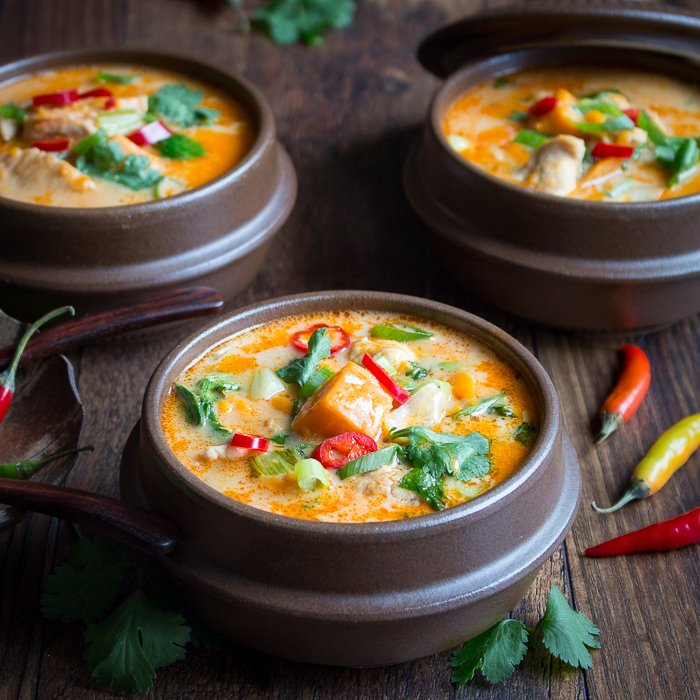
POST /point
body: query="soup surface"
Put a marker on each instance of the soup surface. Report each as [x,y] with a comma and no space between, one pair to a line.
[585,132]
[97,136]
[350,417]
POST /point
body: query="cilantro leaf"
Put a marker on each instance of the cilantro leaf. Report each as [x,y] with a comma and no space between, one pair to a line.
[301,369]
[180,105]
[212,387]
[523,433]
[566,633]
[137,638]
[481,406]
[180,147]
[85,587]
[427,485]
[290,21]
[496,652]
[199,404]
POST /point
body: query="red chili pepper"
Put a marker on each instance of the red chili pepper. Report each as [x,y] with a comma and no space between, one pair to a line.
[111,103]
[543,106]
[339,338]
[659,537]
[150,133]
[612,150]
[337,451]
[97,92]
[62,97]
[628,394]
[58,144]
[633,113]
[398,393]
[7,378]
[250,442]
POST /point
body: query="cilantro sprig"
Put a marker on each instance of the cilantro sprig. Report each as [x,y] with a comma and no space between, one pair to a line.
[301,369]
[145,631]
[199,403]
[566,634]
[180,105]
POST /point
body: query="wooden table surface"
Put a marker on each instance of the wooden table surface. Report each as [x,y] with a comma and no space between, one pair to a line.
[348,112]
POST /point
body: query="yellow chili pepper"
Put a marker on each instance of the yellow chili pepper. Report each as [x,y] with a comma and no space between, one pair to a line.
[670,452]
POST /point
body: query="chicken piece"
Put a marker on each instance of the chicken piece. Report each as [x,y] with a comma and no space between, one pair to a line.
[352,400]
[40,172]
[72,121]
[385,481]
[555,167]
[395,353]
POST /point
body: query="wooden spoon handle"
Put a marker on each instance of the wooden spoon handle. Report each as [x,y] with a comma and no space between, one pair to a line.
[164,307]
[137,527]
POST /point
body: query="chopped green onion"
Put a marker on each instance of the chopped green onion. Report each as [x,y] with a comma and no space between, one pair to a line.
[478,408]
[295,409]
[533,139]
[266,384]
[89,142]
[368,463]
[686,159]
[321,376]
[620,189]
[119,121]
[655,134]
[311,474]
[277,463]
[407,383]
[192,405]
[585,106]
[401,332]
[621,123]
[279,439]
[117,78]
[386,365]
[440,384]
[450,366]
[12,111]
[517,116]
[167,187]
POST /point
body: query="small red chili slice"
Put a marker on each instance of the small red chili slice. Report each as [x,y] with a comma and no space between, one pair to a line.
[58,144]
[250,442]
[111,103]
[97,92]
[543,106]
[611,150]
[633,113]
[337,451]
[398,393]
[339,338]
[62,97]
[150,133]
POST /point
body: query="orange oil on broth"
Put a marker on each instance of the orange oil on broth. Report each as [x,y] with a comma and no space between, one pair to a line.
[345,501]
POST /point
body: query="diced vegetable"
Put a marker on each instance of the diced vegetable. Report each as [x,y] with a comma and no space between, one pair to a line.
[311,475]
[339,338]
[167,187]
[450,366]
[397,393]
[52,145]
[275,463]
[150,133]
[250,442]
[620,189]
[60,97]
[401,332]
[369,462]
[543,106]
[462,385]
[611,150]
[338,450]
[119,121]
[533,139]
[266,384]
[320,377]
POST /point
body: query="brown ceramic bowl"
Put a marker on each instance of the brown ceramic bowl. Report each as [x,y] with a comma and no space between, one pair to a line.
[362,594]
[215,235]
[573,264]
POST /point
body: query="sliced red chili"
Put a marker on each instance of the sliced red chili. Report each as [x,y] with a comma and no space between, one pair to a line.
[111,103]
[633,113]
[337,451]
[543,106]
[62,97]
[398,393]
[97,92]
[339,338]
[150,133]
[250,442]
[57,144]
[611,150]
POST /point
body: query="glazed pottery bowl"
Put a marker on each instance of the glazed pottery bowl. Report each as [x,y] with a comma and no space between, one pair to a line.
[216,235]
[362,594]
[573,264]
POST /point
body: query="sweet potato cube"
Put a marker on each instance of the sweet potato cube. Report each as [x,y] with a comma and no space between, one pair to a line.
[352,400]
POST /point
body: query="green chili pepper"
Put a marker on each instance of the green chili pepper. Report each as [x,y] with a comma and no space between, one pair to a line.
[27,467]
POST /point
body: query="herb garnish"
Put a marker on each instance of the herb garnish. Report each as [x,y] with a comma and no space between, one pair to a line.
[301,369]
[486,405]
[200,402]
[180,147]
[415,371]
[566,634]
[290,21]
[502,82]
[12,111]
[117,78]
[523,433]
[530,138]
[180,105]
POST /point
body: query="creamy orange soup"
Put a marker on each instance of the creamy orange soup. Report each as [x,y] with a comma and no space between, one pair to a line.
[593,133]
[388,429]
[96,136]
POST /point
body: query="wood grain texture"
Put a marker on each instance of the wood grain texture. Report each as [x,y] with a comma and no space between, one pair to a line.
[348,112]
